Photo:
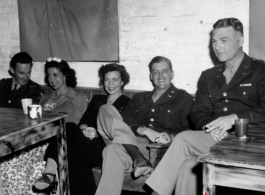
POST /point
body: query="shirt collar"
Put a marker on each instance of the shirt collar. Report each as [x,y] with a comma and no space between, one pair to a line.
[15,82]
[237,63]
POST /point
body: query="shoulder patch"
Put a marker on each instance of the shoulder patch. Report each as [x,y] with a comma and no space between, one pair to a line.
[5,81]
[259,61]
[182,90]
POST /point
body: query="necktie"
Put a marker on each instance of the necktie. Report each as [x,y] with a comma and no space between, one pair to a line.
[229,73]
[15,87]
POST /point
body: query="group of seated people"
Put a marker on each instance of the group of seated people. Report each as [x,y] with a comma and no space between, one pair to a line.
[104,132]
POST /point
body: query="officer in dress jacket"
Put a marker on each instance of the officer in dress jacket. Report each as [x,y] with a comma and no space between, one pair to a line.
[168,114]
[244,95]
[12,90]
[12,98]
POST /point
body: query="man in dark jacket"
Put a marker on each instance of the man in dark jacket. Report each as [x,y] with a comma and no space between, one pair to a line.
[12,90]
[234,89]
[161,113]
[157,115]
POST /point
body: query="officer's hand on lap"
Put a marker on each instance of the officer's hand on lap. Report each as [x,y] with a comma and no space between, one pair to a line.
[150,134]
[163,138]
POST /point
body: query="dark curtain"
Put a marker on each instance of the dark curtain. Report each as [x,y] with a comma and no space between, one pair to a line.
[74,30]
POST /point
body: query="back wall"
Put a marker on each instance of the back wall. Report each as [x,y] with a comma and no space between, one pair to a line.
[177,29]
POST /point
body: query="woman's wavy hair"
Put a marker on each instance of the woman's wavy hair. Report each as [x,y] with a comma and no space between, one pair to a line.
[64,67]
[125,77]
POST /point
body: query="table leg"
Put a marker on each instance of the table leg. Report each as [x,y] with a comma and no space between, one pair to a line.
[208,173]
[1,186]
[63,162]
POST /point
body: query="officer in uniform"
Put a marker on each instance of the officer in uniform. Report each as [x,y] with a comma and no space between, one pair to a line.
[12,90]
[157,116]
[163,110]
[234,89]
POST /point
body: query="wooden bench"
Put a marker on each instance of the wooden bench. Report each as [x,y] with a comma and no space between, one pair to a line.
[91,91]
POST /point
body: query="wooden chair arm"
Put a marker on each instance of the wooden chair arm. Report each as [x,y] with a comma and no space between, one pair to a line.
[157,145]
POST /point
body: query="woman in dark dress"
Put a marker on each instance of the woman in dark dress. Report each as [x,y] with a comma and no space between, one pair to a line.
[113,78]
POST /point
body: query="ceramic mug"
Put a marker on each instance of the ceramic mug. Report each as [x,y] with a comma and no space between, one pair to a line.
[35,111]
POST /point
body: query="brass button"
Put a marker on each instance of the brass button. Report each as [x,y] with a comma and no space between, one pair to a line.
[225,109]
[151,119]
[226,100]
[244,93]
[152,109]
[225,94]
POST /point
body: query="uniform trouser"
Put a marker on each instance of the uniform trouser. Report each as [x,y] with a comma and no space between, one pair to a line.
[175,168]
[116,160]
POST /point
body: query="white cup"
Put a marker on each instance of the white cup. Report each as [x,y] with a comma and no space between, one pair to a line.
[35,111]
[25,103]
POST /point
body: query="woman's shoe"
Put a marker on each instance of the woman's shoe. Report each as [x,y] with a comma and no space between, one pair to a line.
[45,182]
[141,166]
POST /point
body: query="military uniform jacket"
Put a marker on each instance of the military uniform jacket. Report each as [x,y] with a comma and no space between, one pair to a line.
[168,114]
[12,99]
[244,95]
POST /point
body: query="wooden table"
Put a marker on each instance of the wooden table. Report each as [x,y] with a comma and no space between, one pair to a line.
[17,131]
[235,163]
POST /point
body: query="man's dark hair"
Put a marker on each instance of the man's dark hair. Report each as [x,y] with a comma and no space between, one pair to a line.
[21,57]
[159,59]
[226,22]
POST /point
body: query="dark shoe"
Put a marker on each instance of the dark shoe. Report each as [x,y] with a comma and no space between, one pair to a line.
[45,182]
[141,166]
